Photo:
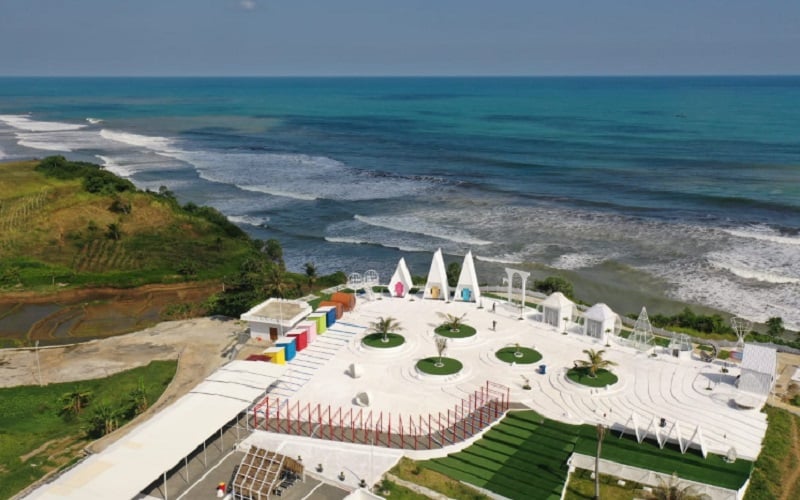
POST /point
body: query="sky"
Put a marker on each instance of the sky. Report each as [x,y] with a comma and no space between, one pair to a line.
[398,37]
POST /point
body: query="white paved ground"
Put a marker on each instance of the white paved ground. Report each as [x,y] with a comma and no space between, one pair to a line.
[676,390]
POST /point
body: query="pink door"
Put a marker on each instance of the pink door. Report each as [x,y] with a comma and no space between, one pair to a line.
[398,289]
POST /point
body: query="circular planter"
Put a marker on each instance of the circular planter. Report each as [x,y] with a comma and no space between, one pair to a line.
[581,376]
[463,332]
[375,340]
[509,355]
[428,366]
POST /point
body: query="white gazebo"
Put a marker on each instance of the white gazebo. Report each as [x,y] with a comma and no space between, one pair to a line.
[401,282]
[467,289]
[599,320]
[436,287]
[758,368]
[557,310]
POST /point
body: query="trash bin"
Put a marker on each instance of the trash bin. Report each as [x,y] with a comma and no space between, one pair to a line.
[542,369]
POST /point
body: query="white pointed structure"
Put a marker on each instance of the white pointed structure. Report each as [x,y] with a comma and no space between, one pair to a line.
[642,337]
[436,287]
[467,289]
[401,282]
[555,308]
[600,320]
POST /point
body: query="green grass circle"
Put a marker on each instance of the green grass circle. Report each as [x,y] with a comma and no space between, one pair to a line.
[428,365]
[581,375]
[463,331]
[506,354]
[376,340]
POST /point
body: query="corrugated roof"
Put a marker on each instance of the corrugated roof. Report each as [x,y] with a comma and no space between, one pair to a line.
[759,359]
[128,466]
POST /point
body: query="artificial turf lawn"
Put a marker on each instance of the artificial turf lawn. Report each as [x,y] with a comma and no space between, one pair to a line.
[450,366]
[581,376]
[376,340]
[463,331]
[524,456]
[529,355]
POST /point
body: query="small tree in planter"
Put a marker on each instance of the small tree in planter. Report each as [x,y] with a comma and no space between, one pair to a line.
[384,326]
[595,362]
[441,346]
[454,322]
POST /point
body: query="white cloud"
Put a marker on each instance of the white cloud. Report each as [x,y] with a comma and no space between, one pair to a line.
[248,4]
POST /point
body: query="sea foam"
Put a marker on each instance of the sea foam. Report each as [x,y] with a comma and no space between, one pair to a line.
[412,224]
[24,122]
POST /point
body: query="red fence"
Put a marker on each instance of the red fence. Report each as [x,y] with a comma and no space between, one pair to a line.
[360,425]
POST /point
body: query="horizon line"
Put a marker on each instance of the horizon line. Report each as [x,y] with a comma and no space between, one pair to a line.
[366,76]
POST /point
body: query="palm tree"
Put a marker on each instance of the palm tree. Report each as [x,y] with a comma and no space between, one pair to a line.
[441,346]
[75,401]
[138,398]
[601,431]
[311,273]
[673,490]
[454,322]
[103,420]
[276,284]
[384,326]
[595,361]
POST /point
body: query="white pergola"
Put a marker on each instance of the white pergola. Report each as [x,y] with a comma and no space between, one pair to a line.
[524,275]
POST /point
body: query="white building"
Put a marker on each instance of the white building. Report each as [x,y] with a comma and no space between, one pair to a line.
[758,368]
[274,317]
[557,310]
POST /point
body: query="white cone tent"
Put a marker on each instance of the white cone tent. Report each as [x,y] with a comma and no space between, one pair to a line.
[436,286]
[598,320]
[401,280]
[555,308]
[467,289]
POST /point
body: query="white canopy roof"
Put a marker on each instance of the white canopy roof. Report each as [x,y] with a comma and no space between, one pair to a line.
[468,279]
[437,277]
[137,459]
[759,359]
[600,312]
[558,300]
[401,275]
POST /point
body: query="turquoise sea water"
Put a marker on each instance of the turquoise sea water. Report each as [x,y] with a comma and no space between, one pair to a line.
[694,182]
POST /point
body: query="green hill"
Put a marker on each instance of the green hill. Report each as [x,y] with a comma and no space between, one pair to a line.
[74,223]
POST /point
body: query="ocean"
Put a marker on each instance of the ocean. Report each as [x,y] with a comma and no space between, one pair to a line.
[685,188]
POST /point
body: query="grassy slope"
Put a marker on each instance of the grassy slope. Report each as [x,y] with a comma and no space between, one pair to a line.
[525,441]
[46,235]
[775,474]
[30,421]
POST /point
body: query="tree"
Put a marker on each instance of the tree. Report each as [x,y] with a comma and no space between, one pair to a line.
[595,361]
[601,431]
[553,284]
[138,398]
[274,252]
[276,284]
[114,231]
[103,420]
[453,273]
[441,346]
[384,326]
[75,401]
[775,326]
[311,273]
[120,206]
[454,322]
